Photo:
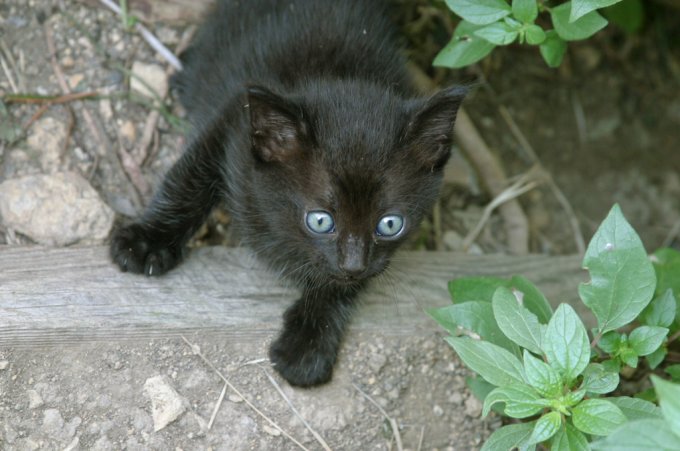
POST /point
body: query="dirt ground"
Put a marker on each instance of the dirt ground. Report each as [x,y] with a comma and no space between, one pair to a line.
[605,126]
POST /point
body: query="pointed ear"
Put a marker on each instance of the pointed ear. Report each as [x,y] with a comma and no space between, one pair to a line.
[278,132]
[429,132]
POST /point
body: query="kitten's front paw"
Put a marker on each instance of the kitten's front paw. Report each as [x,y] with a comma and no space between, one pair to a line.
[300,362]
[132,250]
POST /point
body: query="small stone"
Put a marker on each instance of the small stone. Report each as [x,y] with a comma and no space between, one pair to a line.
[34,399]
[437,410]
[166,404]
[4,364]
[456,398]
[46,139]
[128,134]
[67,62]
[53,422]
[74,80]
[152,75]
[234,398]
[55,210]
[473,408]
[271,431]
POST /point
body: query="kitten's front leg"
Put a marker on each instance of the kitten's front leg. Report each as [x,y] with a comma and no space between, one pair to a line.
[306,350]
[155,243]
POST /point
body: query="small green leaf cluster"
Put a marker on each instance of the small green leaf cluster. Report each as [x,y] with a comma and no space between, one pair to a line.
[542,366]
[486,24]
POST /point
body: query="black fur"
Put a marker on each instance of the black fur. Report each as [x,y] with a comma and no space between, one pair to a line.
[299,105]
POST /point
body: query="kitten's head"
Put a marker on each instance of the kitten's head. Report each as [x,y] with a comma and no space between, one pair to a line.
[344,173]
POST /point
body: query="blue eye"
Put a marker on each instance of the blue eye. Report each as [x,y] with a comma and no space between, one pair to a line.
[390,225]
[320,222]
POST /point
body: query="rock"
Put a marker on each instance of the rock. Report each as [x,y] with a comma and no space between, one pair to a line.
[473,408]
[46,139]
[166,404]
[53,422]
[4,364]
[271,431]
[58,209]
[34,399]
[152,75]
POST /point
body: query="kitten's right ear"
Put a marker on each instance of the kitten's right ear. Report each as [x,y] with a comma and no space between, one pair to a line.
[278,131]
[430,130]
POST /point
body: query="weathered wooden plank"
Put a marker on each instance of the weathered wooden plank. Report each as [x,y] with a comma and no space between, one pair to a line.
[70,295]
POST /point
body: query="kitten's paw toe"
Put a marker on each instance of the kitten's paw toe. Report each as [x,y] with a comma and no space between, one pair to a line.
[133,251]
[299,366]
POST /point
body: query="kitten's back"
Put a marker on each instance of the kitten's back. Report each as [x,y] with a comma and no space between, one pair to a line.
[284,44]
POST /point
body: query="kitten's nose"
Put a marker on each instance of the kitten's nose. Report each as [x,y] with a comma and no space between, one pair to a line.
[353,257]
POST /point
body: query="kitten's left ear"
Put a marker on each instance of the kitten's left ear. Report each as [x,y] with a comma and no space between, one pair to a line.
[278,131]
[430,131]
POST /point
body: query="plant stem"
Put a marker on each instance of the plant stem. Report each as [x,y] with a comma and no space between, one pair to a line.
[596,339]
[674,337]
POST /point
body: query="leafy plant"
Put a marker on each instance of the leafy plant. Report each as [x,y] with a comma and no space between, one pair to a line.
[487,24]
[543,367]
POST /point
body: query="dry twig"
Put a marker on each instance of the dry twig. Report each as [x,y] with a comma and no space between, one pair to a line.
[148,37]
[316,435]
[393,423]
[557,192]
[218,404]
[525,183]
[197,351]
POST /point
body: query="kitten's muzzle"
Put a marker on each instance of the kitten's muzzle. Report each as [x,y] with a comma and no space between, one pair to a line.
[353,253]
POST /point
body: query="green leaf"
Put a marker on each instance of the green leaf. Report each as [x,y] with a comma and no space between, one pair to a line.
[667,267]
[525,10]
[647,395]
[597,417]
[566,343]
[628,356]
[641,435]
[509,437]
[553,49]
[645,339]
[532,298]
[622,277]
[480,12]
[464,49]
[475,288]
[636,409]
[669,399]
[495,364]
[480,389]
[674,372]
[517,323]
[545,428]
[541,376]
[498,33]
[596,379]
[628,14]
[477,317]
[569,439]
[582,28]
[534,34]
[661,311]
[580,8]
[655,358]
[610,342]
[521,401]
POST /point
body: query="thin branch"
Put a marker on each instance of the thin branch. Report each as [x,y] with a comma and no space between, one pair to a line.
[316,435]
[197,351]
[521,186]
[218,404]
[148,37]
[48,100]
[392,421]
[579,241]
[8,74]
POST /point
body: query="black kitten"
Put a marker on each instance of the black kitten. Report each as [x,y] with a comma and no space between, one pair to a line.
[306,126]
